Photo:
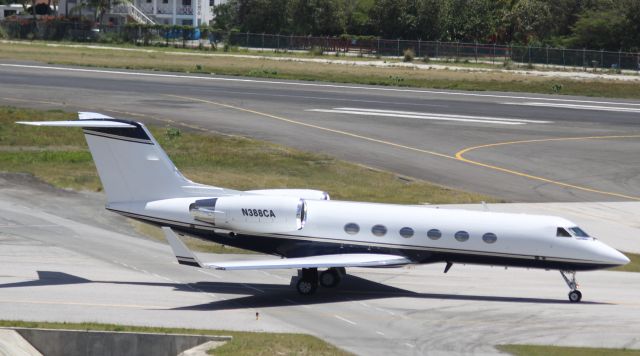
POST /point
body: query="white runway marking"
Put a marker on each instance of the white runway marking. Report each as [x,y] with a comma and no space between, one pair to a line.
[579,107]
[380,333]
[346,320]
[336,86]
[431,116]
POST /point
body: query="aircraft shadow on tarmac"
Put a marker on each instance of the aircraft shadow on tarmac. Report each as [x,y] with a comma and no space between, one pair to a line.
[262,295]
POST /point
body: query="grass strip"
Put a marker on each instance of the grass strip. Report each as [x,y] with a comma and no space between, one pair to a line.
[338,73]
[243,343]
[537,350]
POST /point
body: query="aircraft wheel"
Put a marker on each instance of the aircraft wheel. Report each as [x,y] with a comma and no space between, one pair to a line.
[329,278]
[306,287]
[575,296]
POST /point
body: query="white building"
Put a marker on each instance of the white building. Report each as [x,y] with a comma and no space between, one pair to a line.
[170,12]
[10,10]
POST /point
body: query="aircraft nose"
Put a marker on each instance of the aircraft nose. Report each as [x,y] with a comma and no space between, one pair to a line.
[615,257]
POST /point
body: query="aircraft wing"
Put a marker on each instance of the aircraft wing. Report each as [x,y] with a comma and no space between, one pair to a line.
[186,257]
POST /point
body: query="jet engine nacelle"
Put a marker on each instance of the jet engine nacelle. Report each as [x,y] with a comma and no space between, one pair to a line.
[308,194]
[252,213]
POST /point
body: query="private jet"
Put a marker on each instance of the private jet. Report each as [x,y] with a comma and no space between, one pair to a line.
[317,236]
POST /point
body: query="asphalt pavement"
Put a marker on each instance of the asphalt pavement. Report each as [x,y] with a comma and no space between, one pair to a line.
[513,146]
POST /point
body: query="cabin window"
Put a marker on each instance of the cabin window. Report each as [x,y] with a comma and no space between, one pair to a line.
[462,236]
[434,234]
[578,232]
[379,230]
[562,232]
[406,232]
[351,228]
[489,237]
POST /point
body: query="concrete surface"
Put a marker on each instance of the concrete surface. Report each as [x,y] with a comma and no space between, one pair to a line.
[105,343]
[414,145]
[74,265]
[13,344]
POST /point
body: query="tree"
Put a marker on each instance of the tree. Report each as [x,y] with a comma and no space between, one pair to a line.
[599,29]
[393,18]
[531,21]
[316,17]
[225,16]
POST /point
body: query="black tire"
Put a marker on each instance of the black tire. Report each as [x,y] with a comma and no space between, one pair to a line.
[306,287]
[575,296]
[329,278]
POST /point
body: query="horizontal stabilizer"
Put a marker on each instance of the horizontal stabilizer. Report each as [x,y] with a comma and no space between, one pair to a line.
[322,261]
[84,115]
[186,257]
[83,123]
[182,253]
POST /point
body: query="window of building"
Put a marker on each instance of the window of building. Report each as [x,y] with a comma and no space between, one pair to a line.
[562,232]
[406,232]
[578,232]
[434,234]
[351,228]
[165,1]
[462,236]
[489,237]
[186,2]
[149,1]
[379,230]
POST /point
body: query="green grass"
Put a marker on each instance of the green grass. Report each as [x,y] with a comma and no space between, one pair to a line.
[633,266]
[535,350]
[242,344]
[167,60]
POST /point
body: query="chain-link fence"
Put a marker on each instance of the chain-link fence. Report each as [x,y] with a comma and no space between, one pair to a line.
[204,38]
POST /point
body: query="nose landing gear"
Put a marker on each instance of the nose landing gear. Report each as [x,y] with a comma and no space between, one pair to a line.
[574,295]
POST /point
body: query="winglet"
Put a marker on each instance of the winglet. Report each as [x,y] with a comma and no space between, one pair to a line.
[182,253]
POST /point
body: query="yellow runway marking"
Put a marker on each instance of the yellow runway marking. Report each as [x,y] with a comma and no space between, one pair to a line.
[345,133]
[459,156]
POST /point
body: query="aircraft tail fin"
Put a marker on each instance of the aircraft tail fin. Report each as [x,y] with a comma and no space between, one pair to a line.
[131,164]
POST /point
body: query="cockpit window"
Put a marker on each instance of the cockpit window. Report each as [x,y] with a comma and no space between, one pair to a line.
[562,232]
[578,232]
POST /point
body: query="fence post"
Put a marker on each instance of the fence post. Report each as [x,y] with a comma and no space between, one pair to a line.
[547,49]
[278,41]
[457,49]
[437,48]
[602,58]
[493,58]
[419,48]
[584,58]
[263,42]
[378,50]
[247,40]
[619,61]
[564,64]
[398,47]
[476,52]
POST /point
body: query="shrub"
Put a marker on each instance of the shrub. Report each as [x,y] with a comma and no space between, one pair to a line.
[408,55]
[316,51]
[556,87]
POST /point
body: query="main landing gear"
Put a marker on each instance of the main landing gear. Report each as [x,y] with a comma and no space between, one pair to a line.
[574,295]
[308,279]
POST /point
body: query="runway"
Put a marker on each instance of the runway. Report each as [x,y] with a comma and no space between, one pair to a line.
[79,264]
[514,146]
[82,263]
